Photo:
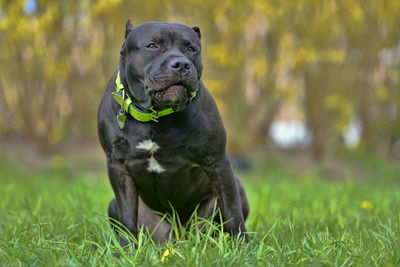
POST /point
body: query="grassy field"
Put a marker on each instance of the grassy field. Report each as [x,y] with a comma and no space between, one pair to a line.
[56,216]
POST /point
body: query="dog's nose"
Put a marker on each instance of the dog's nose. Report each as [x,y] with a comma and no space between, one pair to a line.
[179,65]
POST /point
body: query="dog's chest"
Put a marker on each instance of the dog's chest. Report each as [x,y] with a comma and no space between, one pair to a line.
[147,156]
[151,147]
[164,173]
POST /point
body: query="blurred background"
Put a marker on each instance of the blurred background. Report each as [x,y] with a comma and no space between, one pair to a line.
[305,81]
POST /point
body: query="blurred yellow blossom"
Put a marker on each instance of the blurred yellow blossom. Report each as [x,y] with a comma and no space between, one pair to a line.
[167,252]
[366,205]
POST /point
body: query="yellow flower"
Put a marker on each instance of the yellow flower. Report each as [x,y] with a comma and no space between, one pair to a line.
[167,252]
[366,205]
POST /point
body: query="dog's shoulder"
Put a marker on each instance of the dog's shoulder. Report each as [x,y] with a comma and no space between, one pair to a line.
[106,113]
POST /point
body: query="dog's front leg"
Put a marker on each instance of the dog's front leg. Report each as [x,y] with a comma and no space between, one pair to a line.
[126,195]
[226,190]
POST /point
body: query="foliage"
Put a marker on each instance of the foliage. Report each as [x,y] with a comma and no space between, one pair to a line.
[49,219]
[336,61]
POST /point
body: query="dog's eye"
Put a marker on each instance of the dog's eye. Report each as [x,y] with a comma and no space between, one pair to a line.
[191,49]
[152,45]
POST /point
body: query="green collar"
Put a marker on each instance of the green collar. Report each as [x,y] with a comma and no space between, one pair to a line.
[128,106]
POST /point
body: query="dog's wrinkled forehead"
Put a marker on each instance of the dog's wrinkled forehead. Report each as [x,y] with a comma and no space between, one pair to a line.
[159,32]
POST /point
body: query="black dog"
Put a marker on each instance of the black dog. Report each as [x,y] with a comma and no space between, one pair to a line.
[163,136]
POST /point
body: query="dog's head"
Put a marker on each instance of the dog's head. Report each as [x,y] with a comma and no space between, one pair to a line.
[160,63]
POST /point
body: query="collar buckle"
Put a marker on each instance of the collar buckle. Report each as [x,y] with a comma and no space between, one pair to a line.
[154,114]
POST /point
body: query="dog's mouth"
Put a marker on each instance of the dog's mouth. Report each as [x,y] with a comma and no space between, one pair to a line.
[174,93]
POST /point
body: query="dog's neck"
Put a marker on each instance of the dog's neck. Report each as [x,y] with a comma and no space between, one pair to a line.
[128,106]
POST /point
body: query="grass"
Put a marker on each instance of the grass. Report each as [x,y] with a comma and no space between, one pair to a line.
[57,216]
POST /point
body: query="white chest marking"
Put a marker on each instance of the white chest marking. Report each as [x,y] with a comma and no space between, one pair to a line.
[152,147]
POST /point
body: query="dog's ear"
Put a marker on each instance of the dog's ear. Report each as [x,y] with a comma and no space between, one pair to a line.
[197,31]
[129,28]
